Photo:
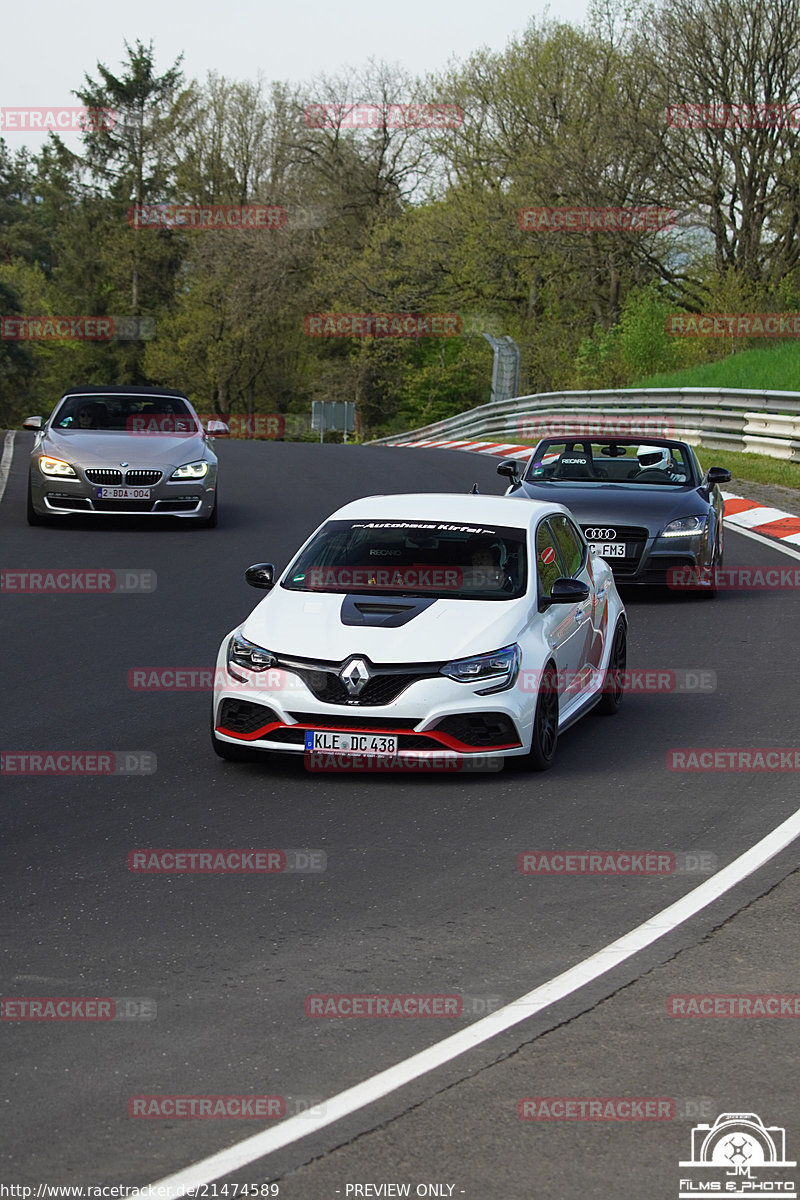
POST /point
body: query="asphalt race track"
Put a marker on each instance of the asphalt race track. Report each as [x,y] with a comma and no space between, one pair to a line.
[421,891]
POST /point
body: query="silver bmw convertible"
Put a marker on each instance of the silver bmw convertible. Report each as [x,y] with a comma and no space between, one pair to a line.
[113,451]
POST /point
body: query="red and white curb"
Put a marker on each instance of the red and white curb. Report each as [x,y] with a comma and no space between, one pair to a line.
[739,512]
[501,449]
[760,518]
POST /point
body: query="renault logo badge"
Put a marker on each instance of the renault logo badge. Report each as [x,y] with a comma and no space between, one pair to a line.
[355,676]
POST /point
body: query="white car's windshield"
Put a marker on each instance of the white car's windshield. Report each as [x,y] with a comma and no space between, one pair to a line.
[433,558]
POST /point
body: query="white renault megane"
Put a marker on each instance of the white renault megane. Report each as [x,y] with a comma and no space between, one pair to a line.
[425,625]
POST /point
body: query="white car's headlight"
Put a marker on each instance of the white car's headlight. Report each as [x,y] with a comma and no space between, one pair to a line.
[242,653]
[195,470]
[684,527]
[54,466]
[500,668]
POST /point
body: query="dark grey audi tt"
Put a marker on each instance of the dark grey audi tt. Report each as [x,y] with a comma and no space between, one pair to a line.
[648,508]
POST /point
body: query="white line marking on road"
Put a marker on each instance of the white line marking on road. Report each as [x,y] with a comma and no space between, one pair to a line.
[765,541]
[385,1082]
[5,461]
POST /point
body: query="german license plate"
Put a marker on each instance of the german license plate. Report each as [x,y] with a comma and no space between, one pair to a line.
[350,743]
[123,493]
[609,549]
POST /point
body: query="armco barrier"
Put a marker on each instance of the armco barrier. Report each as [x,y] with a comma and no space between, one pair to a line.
[763,422]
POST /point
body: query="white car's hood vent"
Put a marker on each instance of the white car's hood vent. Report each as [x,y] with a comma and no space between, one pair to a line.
[390,614]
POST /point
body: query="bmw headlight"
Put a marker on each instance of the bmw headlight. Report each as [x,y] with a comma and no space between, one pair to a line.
[195,470]
[684,527]
[500,668]
[55,466]
[242,653]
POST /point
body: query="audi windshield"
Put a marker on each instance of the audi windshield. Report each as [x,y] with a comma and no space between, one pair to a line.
[413,558]
[583,460]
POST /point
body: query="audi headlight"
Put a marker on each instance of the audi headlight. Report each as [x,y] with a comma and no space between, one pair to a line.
[242,653]
[684,527]
[501,668]
[55,466]
[195,470]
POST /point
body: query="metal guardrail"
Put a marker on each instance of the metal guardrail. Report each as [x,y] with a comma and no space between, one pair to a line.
[762,422]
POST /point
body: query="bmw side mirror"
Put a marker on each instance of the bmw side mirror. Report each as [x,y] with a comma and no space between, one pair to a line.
[511,469]
[217,429]
[261,575]
[32,423]
[568,591]
[717,475]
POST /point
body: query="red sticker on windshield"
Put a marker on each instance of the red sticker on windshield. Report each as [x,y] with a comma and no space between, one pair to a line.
[548,555]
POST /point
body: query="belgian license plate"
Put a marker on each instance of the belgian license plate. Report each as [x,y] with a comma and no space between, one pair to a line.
[609,549]
[123,493]
[350,743]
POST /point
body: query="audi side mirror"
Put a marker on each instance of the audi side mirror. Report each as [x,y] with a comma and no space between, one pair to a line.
[717,475]
[511,469]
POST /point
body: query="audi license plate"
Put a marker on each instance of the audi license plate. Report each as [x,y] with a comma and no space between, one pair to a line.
[123,493]
[350,743]
[609,549]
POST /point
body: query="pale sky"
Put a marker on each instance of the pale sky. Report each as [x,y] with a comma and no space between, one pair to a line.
[50,45]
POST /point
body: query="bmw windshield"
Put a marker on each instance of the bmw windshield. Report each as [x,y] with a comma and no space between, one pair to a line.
[125,414]
[413,558]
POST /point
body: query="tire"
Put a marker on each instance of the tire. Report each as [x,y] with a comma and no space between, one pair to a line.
[33,517]
[544,738]
[611,700]
[713,590]
[210,522]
